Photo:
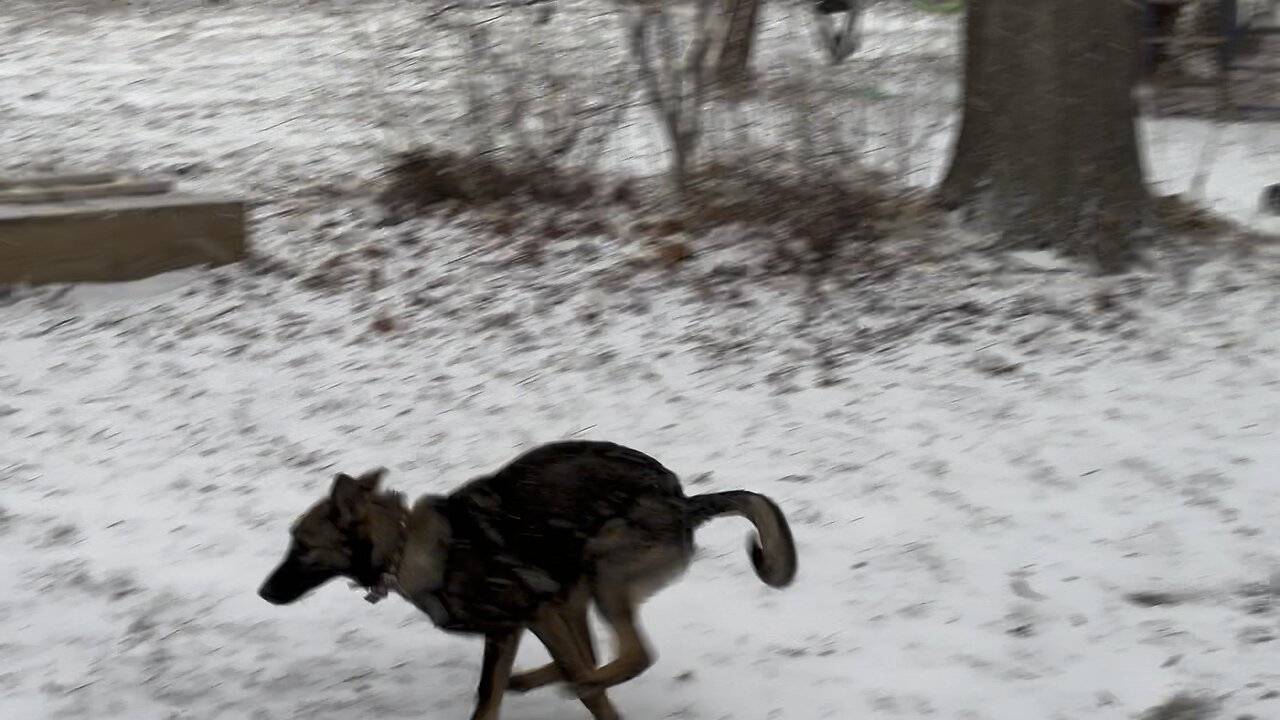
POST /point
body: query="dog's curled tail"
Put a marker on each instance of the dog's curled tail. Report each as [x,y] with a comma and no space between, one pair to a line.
[773,551]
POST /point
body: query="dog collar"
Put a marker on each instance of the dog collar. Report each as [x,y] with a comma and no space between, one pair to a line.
[387,578]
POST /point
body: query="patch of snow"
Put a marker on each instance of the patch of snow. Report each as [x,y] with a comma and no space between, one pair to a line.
[981,459]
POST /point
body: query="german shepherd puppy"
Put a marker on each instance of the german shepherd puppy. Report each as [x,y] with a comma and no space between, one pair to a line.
[531,546]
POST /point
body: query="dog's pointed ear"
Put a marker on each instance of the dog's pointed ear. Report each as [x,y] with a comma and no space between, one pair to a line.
[370,481]
[346,496]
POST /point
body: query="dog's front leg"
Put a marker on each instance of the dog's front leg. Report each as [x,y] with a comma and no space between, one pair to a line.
[499,655]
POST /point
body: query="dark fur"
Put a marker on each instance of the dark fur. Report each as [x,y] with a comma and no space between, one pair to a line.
[527,548]
[1270,203]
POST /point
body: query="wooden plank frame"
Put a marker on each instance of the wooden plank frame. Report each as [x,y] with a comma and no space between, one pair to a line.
[110,227]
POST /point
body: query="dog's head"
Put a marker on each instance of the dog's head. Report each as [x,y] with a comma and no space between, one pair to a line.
[1270,203]
[347,534]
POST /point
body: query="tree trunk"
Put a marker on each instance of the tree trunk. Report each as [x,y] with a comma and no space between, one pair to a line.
[1047,147]
[972,142]
[734,57]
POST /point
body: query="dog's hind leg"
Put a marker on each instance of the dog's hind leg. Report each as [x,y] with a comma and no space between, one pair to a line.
[499,654]
[619,610]
[570,655]
[575,615]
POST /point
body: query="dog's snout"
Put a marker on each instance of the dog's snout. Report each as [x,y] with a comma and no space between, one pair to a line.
[291,581]
[266,592]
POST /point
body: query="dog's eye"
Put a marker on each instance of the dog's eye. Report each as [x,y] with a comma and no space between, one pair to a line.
[325,556]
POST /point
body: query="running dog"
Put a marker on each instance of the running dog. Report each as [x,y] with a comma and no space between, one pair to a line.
[530,547]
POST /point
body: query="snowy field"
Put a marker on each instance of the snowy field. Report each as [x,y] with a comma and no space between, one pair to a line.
[985,457]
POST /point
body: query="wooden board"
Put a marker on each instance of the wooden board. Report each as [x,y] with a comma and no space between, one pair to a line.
[61,230]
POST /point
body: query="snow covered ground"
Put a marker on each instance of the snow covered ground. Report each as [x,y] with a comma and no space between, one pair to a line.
[984,457]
